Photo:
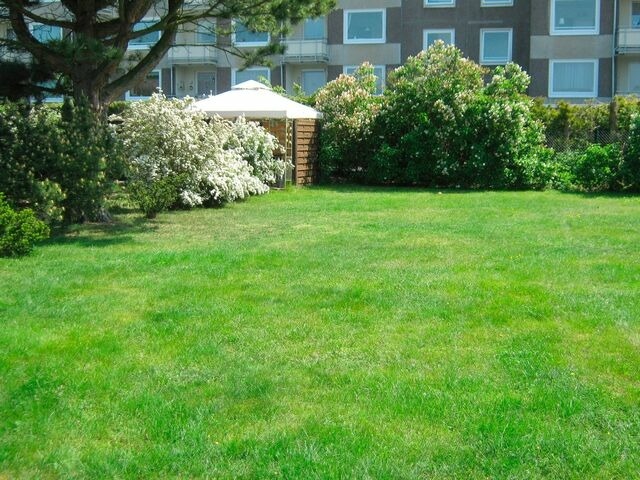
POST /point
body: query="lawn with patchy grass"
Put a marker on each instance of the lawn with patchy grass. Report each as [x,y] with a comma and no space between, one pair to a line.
[330,333]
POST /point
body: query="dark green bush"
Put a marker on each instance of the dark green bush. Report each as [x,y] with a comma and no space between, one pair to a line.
[19,230]
[55,160]
[597,169]
[630,169]
[86,146]
[118,107]
[27,153]
[155,197]
[440,125]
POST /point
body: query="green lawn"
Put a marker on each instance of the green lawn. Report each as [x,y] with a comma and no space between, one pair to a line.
[330,333]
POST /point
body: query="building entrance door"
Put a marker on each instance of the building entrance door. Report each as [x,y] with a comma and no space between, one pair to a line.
[206,84]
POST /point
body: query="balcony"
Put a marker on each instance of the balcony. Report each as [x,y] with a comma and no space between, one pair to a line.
[192,55]
[306,51]
[628,40]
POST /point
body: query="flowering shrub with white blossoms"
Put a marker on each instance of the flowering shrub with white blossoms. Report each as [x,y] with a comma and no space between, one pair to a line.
[256,147]
[169,138]
[349,108]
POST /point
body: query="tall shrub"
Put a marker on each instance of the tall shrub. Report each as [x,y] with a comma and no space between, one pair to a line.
[440,125]
[54,161]
[630,168]
[88,145]
[349,108]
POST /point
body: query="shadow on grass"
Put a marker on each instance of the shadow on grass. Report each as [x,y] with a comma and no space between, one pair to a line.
[356,188]
[612,195]
[116,232]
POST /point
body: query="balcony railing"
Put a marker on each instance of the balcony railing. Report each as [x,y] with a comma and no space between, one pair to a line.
[306,51]
[628,40]
[192,54]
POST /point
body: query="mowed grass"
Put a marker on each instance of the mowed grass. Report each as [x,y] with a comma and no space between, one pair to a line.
[330,333]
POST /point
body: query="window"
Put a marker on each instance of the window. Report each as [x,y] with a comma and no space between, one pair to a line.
[205,83]
[635,14]
[146,40]
[248,38]
[45,33]
[378,71]
[497,3]
[495,46]
[575,17]
[313,29]
[205,33]
[634,78]
[255,73]
[364,26]
[312,80]
[50,97]
[573,78]
[429,37]
[439,3]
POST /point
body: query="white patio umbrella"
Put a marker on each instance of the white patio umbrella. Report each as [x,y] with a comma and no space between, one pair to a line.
[255,100]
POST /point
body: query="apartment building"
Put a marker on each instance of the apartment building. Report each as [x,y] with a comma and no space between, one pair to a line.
[573,49]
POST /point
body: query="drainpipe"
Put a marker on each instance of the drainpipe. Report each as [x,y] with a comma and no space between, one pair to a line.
[283,39]
[614,80]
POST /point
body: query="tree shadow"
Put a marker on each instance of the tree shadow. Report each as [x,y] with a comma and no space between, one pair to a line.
[611,195]
[116,232]
[356,188]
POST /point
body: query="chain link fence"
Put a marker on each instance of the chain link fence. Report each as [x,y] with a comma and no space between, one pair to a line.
[600,136]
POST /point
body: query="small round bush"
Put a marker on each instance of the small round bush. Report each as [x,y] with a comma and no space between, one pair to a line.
[597,169]
[19,230]
[155,197]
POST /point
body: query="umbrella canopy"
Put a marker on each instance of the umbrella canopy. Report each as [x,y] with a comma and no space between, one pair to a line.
[254,100]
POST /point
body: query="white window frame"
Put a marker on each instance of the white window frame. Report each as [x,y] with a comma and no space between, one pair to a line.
[496,3]
[324,72]
[426,32]
[235,71]
[36,24]
[145,46]
[248,44]
[345,25]
[580,31]
[383,77]
[128,96]
[484,31]
[632,25]
[53,99]
[631,77]
[593,94]
[430,4]
[206,28]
